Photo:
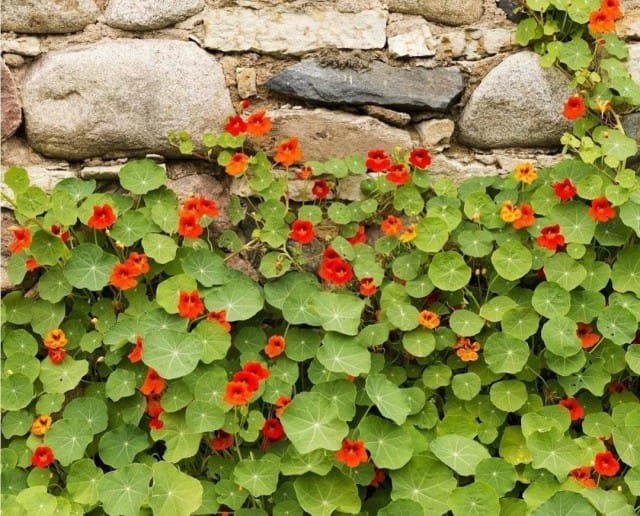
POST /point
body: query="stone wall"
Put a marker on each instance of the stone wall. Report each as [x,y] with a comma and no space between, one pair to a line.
[87,84]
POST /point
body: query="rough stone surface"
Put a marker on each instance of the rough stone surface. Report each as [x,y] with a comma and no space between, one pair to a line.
[435,134]
[629,25]
[517,104]
[24,46]
[149,14]
[510,7]
[7,220]
[450,12]
[275,30]
[45,176]
[13,60]
[323,133]
[381,84]
[389,116]
[122,98]
[634,61]
[47,16]
[10,102]
[409,36]
[631,124]
[246,82]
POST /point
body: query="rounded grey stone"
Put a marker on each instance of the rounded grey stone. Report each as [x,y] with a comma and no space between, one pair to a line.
[149,14]
[11,109]
[451,12]
[48,16]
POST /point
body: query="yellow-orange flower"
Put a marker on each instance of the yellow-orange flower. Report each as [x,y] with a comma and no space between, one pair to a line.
[467,350]
[237,164]
[409,234]
[509,212]
[525,173]
[55,339]
[41,425]
[429,319]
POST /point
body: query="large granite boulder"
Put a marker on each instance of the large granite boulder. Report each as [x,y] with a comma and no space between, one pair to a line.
[48,16]
[517,104]
[121,98]
[149,14]
[450,12]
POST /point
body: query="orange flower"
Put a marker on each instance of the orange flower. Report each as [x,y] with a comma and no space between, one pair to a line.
[527,217]
[583,475]
[352,453]
[398,174]
[55,339]
[190,305]
[235,125]
[601,210]
[288,152]
[256,368]
[190,207]
[56,355]
[42,457]
[21,239]
[391,226]
[574,108]
[466,350]
[367,287]
[154,405]
[251,380]
[409,234]
[601,21]
[188,227]
[586,335]
[509,212]
[136,352]
[138,263]
[206,206]
[612,7]
[304,173]
[102,217]
[221,440]
[428,319]
[237,164]
[237,393]
[606,464]
[155,424]
[41,425]
[123,277]
[576,411]
[281,404]
[550,237]
[258,124]
[275,346]
[525,173]
[153,383]
[220,317]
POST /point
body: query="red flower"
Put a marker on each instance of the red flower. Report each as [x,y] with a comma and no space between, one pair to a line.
[272,429]
[574,108]
[336,270]
[102,218]
[220,317]
[258,124]
[612,8]
[207,207]
[420,158]
[606,464]
[275,346]
[398,174]
[56,355]
[377,160]
[21,239]
[586,335]
[31,264]
[155,424]
[527,217]
[565,189]
[583,475]
[601,21]
[222,441]
[245,104]
[367,287]
[249,379]
[329,253]
[352,453]
[154,405]
[138,262]
[188,227]
[237,393]
[123,276]
[235,125]
[42,457]
[190,207]
[575,409]
[238,163]
[616,387]
[550,237]
[288,152]
[320,189]
[360,237]
[391,226]
[601,210]
[302,231]
[136,352]
[190,305]
[153,383]
[378,477]
[257,369]
[281,404]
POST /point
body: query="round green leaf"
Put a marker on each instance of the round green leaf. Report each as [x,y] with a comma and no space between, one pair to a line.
[203,416]
[131,227]
[466,323]
[420,342]
[168,291]
[403,316]
[141,176]
[508,395]
[460,453]
[497,473]
[47,249]
[520,322]
[82,481]
[431,234]
[512,260]
[505,354]
[242,298]
[338,312]
[161,248]
[559,336]
[173,354]
[62,377]
[390,446]
[466,386]
[119,447]
[68,439]
[121,384]
[321,496]
[53,285]
[448,271]
[17,392]
[91,411]
[551,300]
[477,499]
[389,399]
[575,223]
[563,503]
[214,340]
[123,491]
[617,324]
[259,477]
[343,354]
[89,267]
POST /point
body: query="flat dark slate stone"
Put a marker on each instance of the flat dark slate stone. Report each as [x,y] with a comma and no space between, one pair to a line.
[383,85]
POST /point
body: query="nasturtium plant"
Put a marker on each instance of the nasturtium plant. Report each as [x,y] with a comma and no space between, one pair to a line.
[424,348]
